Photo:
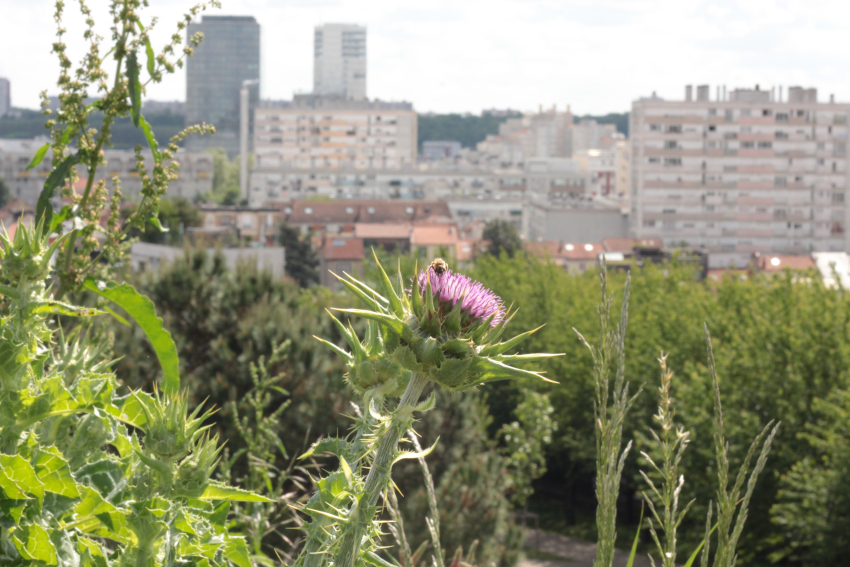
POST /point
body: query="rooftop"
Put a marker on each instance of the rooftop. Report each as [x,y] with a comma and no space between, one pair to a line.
[339,248]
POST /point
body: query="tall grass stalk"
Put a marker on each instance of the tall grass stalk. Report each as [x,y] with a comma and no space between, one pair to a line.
[731,506]
[610,460]
[663,499]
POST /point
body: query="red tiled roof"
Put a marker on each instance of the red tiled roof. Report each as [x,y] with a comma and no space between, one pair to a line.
[442,234]
[310,212]
[550,248]
[772,263]
[627,245]
[343,249]
[581,250]
[465,250]
[386,231]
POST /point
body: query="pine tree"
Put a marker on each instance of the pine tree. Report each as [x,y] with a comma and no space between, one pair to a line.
[302,262]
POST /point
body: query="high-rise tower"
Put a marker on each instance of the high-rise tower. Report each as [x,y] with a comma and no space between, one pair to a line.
[339,65]
[228,55]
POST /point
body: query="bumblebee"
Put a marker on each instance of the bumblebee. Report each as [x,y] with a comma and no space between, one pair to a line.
[439,266]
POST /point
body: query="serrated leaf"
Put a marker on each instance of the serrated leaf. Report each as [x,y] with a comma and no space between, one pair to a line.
[57,177]
[19,471]
[106,476]
[218,491]
[236,550]
[33,543]
[405,358]
[132,408]
[219,516]
[142,310]
[53,471]
[38,157]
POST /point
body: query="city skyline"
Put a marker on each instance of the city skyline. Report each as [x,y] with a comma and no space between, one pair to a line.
[460,57]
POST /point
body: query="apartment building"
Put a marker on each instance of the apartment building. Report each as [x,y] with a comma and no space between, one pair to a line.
[195,175]
[751,171]
[339,61]
[340,135]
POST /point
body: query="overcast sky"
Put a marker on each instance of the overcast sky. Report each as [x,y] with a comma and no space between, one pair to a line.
[466,55]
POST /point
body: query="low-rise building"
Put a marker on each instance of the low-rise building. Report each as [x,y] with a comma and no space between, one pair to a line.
[341,255]
[577,220]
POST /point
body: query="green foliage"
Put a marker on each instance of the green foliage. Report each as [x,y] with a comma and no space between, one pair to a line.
[226,188]
[471,480]
[142,310]
[778,347]
[464,128]
[77,486]
[221,321]
[175,215]
[813,503]
[302,262]
[525,441]
[503,237]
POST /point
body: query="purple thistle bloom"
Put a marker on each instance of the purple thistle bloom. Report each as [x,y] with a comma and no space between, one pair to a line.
[478,301]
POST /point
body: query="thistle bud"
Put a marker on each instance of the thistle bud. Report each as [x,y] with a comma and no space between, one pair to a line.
[170,432]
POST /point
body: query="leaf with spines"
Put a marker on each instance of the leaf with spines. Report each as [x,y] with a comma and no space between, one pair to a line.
[219,491]
[394,301]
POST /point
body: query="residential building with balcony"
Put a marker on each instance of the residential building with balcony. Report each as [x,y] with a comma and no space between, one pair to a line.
[748,172]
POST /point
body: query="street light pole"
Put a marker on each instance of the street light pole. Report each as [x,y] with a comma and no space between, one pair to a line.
[243,136]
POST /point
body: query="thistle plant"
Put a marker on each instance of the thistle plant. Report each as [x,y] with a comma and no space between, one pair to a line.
[663,499]
[610,460]
[446,331]
[88,476]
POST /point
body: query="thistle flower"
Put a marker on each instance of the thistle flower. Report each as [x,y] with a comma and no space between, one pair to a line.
[477,302]
[448,328]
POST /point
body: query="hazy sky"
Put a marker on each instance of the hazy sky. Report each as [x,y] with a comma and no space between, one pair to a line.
[466,55]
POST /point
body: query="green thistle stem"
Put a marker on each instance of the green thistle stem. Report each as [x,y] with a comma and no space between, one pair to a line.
[379,474]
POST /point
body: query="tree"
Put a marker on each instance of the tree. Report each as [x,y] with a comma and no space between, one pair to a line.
[4,194]
[503,236]
[302,262]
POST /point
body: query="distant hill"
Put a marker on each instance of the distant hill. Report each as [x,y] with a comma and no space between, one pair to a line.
[470,129]
[619,119]
[24,124]
[467,129]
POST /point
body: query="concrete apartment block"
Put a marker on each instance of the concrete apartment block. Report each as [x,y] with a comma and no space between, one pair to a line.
[751,171]
[339,64]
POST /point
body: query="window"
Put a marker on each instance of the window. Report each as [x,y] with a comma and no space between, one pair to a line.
[780,182]
[766,112]
[370,210]
[308,211]
[747,145]
[670,145]
[349,210]
[408,210]
[782,117]
[288,210]
[669,211]
[712,112]
[746,112]
[780,135]
[765,145]
[712,128]
[674,129]
[649,223]
[821,145]
[654,160]
[655,127]
[672,161]
[277,140]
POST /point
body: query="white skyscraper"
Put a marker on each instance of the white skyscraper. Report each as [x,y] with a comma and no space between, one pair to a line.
[339,67]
